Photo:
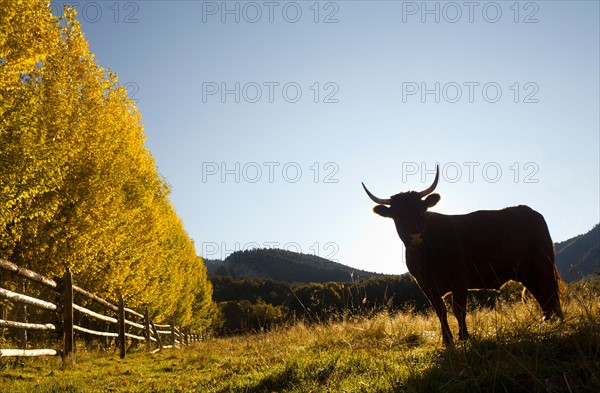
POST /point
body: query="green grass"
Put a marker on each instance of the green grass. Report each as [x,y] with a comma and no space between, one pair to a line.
[511,350]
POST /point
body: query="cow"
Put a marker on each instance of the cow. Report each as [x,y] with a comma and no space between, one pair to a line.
[450,254]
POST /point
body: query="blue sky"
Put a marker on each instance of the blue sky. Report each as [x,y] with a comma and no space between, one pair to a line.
[319,96]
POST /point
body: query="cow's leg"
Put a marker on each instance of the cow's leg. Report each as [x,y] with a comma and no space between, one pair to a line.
[459,307]
[440,309]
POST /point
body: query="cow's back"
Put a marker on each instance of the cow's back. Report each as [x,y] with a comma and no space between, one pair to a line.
[499,244]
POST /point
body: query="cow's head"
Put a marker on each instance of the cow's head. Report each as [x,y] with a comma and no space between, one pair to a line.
[407,209]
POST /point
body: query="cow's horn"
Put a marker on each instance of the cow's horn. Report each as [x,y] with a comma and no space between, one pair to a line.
[434,185]
[375,199]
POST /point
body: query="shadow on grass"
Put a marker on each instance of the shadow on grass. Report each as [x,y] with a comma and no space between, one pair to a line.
[562,360]
[291,376]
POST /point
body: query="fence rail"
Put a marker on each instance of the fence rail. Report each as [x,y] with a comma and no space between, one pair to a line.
[65,308]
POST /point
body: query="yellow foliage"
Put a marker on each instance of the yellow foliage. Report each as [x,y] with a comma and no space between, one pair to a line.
[78,187]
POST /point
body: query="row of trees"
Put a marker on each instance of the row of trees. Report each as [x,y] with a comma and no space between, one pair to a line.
[78,188]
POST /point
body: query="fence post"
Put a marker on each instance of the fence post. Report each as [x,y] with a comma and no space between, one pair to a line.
[147,330]
[185,337]
[5,317]
[22,317]
[105,340]
[68,330]
[158,340]
[121,318]
[172,334]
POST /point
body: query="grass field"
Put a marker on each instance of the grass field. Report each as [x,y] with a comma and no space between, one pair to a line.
[511,350]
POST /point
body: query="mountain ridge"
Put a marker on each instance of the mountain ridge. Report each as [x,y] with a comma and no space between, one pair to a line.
[579,257]
[283,265]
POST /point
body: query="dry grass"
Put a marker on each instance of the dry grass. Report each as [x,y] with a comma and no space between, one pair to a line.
[511,350]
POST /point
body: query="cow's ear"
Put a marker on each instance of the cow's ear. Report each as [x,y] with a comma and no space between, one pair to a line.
[432,200]
[382,210]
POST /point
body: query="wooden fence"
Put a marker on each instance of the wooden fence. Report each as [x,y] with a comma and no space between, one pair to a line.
[122,323]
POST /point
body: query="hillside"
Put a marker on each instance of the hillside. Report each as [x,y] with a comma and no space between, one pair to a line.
[580,256]
[282,265]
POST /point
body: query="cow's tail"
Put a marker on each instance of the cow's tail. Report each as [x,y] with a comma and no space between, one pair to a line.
[560,282]
[560,285]
[561,293]
[524,293]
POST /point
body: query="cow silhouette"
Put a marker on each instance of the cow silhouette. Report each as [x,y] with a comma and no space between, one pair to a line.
[479,250]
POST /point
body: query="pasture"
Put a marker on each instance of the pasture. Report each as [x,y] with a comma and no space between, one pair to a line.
[511,350]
